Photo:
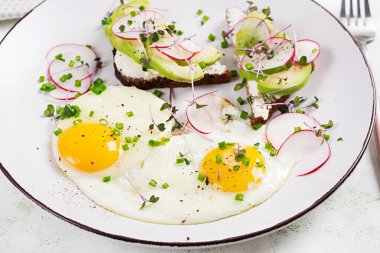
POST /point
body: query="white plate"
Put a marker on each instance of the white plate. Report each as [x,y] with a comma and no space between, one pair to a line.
[342,80]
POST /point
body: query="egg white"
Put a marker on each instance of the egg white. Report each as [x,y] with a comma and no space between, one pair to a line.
[187,200]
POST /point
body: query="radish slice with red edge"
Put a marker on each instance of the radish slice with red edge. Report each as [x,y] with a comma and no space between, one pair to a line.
[200,119]
[281,127]
[260,29]
[308,48]
[282,53]
[58,69]
[305,151]
[190,46]
[69,53]
[62,95]
[176,53]
[164,42]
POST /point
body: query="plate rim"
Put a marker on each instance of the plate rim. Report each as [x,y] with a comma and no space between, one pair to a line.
[228,240]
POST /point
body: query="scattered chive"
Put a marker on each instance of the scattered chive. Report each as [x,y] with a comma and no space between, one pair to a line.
[238,86]
[106,179]
[326,137]
[202,65]
[77,58]
[268,146]
[180,160]
[260,164]
[98,86]
[300,111]
[244,115]
[297,129]
[201,177]
[234,73]
[236,167]
[303,60]
[179,33]
[41,79]
[72,63]
[135,139]
[130,114]
[106,21]
[49,111]
[257,145]
[239,196]
[47,87]
[257,126]
[142,7]
[314,51]
[122,28]
[78,83]
[158,93]
[211,37]
[165,186]
[222,145]
[128,139]
[59,57]
[103,122]
[164,106]
[218,159]
[199,12]
[58,132]
[340,139]
[129,22]
[133,14]
[224,44]
[77,122]
[119,126]
[125,147]
[240,101]
[91,114]
[329,125]
[273,152]
[153,183]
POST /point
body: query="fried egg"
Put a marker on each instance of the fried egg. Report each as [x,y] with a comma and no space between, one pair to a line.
[185,178]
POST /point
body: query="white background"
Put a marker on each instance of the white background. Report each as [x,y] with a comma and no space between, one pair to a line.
[349,221]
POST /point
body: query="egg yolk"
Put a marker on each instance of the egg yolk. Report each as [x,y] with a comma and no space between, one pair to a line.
[89,147]
[226,171]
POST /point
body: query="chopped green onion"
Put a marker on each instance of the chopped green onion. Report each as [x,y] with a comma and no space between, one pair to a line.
[106,21]
[236,167]
[78,83]
[211,37]
[142,7]
[103,122]
[260,164]
[119,126]
[257,126]
[329,125]
[98,86]
[180,160]
[314,51]
[116,132]
[125,147]
[268,146]
[245,161]
[273,152]
[165,186]
[133,13]
[218,159]
[77,58]
[72,63]
[222,145]
[153,183]
[202,65]
[91,114]
[240,101]
[128,139]
[340,139]
[224,44]
[130,114]
[47,87]
[77,122]
[129,22]
[303,60]
[238,86]
[179,33]
[49,111]
[297,129]
[106,179]
[41,79]
[58,132]
[122,28]
[158,93]
[161,127]
[300,111]
[201,177]
[239,196]
[59,57]
[199,12]
[257,145]
[135,139]
[171,27]
[205,18]
[326,137]
[234,73]
[244,115]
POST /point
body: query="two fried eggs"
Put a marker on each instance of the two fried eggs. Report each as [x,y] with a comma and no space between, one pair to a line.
[120,159]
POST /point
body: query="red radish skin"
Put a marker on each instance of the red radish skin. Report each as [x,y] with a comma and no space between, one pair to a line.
[279,128]
[305,47]
[176,53]
[190,46]
[62,95]
[305,144]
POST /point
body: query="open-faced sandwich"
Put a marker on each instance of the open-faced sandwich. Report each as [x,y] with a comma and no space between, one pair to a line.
[273,66]
[151,53]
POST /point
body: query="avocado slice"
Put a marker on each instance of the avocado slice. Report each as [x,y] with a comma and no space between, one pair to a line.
[208,56]
[292,80]
[170,69]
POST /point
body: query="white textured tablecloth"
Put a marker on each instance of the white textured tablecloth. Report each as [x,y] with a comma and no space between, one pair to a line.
[349,221]
[12,9]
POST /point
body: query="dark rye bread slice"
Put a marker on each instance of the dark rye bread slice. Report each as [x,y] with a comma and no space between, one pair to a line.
[163,82]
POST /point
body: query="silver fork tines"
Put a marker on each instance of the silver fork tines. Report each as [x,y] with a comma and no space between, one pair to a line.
[361,26]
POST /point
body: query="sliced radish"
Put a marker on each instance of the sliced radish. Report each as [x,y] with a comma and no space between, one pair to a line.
[308,48]
[70,51]
[201,119]
[58,69]
[282,52]
[305,151]
[176,53]
[62,95]
[165,42]
[254,26]
[190,46]
[281,127]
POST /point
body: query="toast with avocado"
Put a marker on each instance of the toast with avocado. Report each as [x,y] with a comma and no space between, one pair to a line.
[272,65]
[150,53]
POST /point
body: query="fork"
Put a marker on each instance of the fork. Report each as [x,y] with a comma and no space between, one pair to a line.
[364,31]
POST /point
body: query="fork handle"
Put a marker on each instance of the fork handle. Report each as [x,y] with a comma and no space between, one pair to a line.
[376,130]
